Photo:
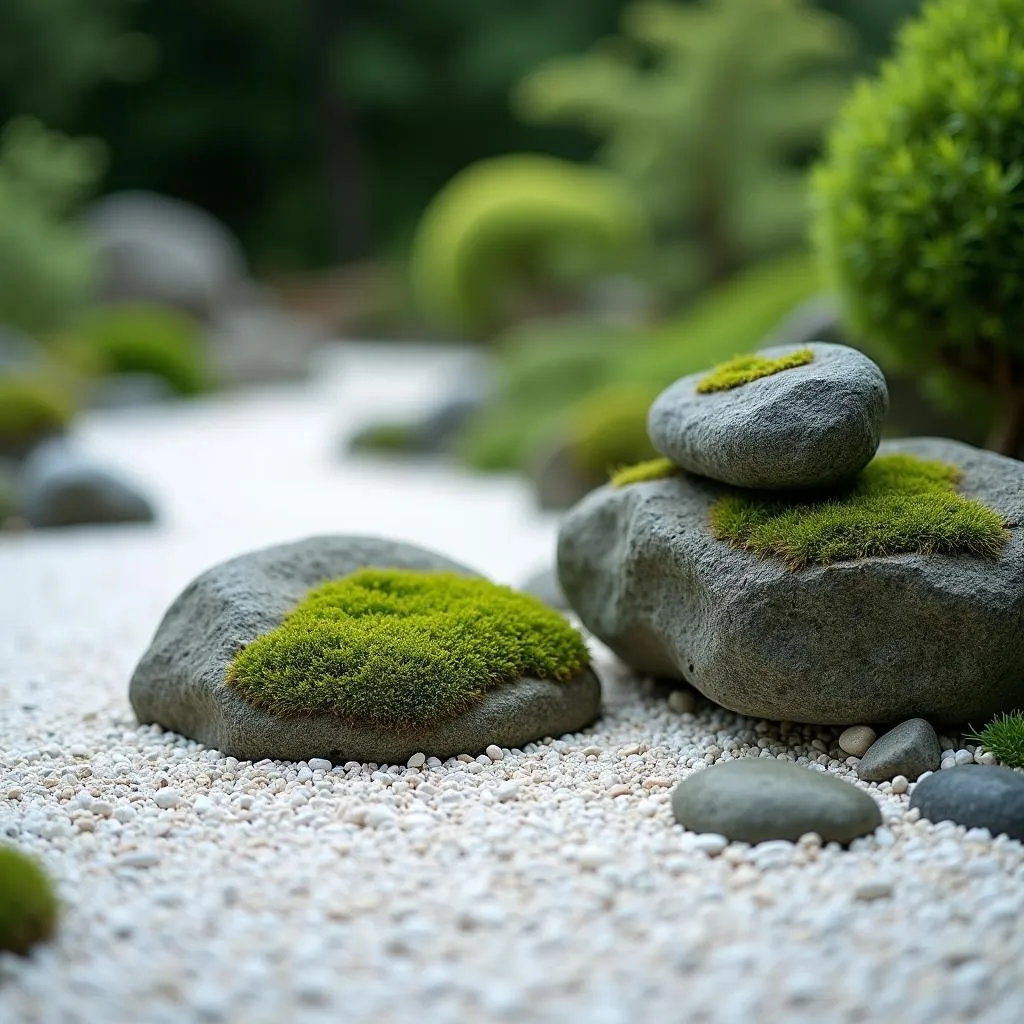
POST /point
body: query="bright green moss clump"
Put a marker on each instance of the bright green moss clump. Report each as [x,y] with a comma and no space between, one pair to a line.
[653,469]
[744,369]
[392,648]
[31,409]
[1004,736]
[899,504]
[28,906]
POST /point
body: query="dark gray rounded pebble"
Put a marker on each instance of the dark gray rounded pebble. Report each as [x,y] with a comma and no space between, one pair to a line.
[975,796]
[755,799]
[910,749]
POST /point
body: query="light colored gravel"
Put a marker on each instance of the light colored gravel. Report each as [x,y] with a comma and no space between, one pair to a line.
[547,884]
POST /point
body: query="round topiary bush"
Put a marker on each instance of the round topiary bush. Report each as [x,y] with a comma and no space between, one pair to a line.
[608,429]
[28,905]
[31,410]
[920,202]
[139,338]
[508,229]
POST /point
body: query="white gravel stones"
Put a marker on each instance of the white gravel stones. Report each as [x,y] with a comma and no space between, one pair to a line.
[856,740]
[237,905]
[319,764]
[165,799]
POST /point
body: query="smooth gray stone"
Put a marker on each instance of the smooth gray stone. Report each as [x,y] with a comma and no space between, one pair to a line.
[60,486]
[870,640]
[754,799]
[975,796]
[179,683]
[910,749]
[153,248]
[544,586]
[810,426]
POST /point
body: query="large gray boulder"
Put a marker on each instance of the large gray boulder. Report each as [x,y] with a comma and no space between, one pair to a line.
[153,248]
[809,426]
[872,640]
[180,681]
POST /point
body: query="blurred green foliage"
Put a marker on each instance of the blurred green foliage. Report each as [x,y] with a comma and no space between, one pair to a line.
[32,408]
[316,130]
[548,377]
[511,231]
[137,338]
[920,219]
[45,264]
[712,111]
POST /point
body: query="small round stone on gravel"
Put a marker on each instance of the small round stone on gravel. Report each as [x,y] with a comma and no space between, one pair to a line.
[681,701]
[166,798]
[909,749]
[418,760]
[856,740]
[494,753]
[319,764]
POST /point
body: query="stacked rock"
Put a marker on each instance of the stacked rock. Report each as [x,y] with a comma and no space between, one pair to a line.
[703,568]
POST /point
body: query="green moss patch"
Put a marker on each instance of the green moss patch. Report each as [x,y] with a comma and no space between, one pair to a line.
[28,905]
[652,469]
[1004,736]
[392,648]
[744,369]
[899,505]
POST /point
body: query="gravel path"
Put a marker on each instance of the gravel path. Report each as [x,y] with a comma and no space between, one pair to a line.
[543,885]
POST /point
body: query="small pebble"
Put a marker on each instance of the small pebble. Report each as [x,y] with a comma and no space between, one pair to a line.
[166,798]
[856,740]
[494,753]
[681,702]
[866,892]
[899,785]
[319,764]
[507,791]
[417,760]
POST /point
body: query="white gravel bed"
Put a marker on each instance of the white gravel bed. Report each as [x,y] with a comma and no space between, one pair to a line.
[549,884]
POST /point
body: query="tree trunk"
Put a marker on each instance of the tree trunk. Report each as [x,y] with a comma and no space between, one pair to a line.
[340,146]
[1007,433]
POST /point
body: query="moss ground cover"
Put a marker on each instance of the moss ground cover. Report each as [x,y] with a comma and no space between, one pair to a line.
[28,905]
[653,469]
[31,408]
[743,369]
[387,648]
[899,504]
[1004,736]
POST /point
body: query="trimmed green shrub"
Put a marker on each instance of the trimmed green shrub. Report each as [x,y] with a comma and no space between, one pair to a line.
[920,202]
[513,227]
[140,338]
[899,504]
[743,369]
[28,905]
[609,428]
[31,409]
[388,647]
[642,472]
[1004,736]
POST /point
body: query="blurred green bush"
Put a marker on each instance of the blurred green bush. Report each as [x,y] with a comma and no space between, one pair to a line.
[33,407]
[712,111]
[552,381]
[920,208]
[516,233]
[138,338]
[45,263]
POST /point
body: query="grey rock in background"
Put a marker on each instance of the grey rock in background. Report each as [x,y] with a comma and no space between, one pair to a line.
[60,486]
[871,640]
[975,796]
[545,587]
[755,799]
[180,681]
[808,426]
[910,749]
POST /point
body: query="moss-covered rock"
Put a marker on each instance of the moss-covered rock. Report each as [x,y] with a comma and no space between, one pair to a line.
[742,370]
[28,904]
[642,472]
[363,649]
[32,408]
[141,339]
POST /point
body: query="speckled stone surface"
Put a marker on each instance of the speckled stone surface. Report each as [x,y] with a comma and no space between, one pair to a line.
[910,749]
[180,681]
[976,796]
[808,426]
[872,640]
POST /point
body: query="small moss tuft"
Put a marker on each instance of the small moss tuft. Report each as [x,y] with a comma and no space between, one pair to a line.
[384,437]
[653,469]
[31,409]
[899,505]
[28,905]
[744,369]
[392,648]
[1004,736]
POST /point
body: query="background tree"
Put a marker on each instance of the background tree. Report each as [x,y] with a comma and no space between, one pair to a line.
[920,221]
[713,111]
